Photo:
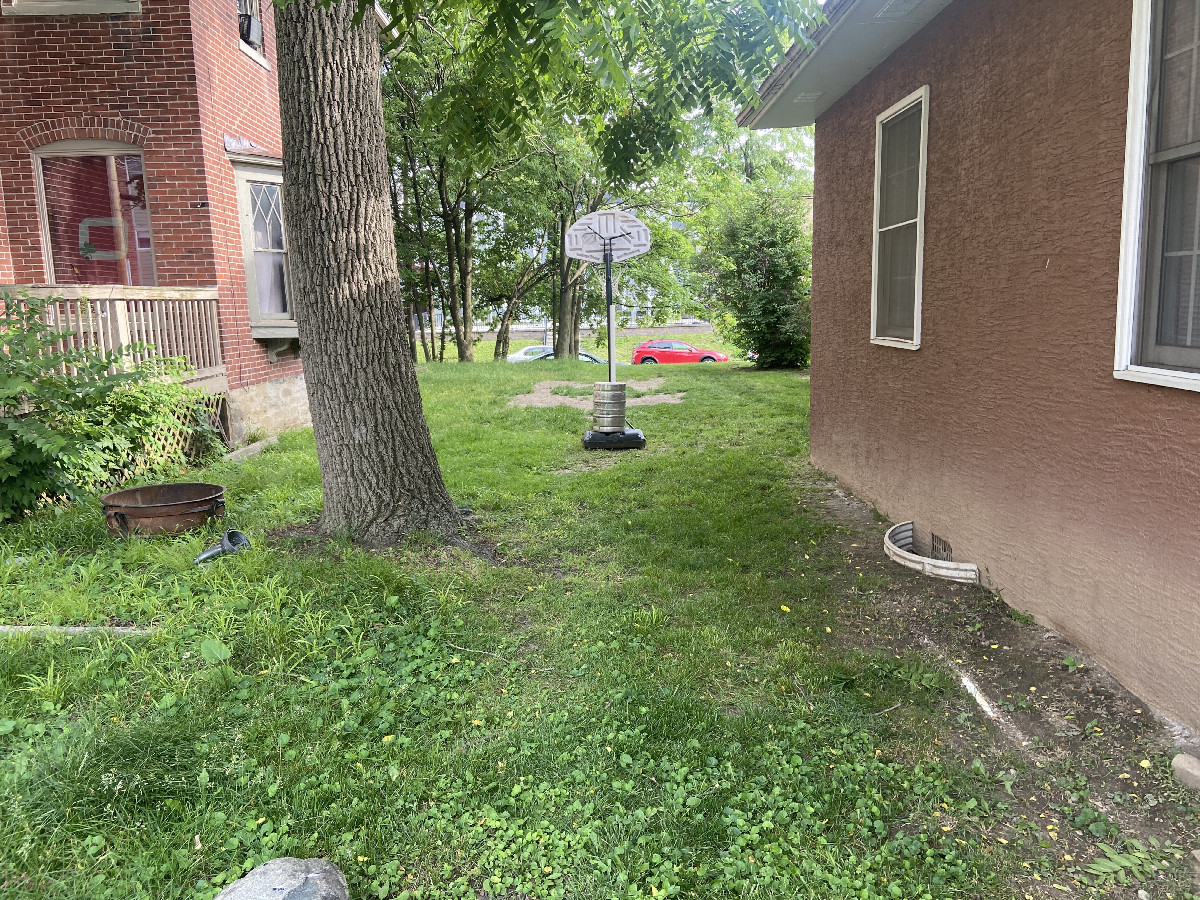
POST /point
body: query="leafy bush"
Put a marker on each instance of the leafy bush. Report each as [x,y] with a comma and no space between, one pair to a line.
[761,278]
[70,421]
[150,427]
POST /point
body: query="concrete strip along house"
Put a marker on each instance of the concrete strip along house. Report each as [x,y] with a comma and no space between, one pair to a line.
[140,181]
[1006,301]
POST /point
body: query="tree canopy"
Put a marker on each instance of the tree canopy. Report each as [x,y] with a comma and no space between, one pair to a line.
[657,62]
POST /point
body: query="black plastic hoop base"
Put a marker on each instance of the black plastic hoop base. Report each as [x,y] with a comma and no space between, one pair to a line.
[631,439]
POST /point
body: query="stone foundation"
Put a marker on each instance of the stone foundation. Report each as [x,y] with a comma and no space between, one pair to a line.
[270,407]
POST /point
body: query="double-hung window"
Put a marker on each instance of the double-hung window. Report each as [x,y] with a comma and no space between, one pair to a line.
[1158,321]
[264,248]
[901,136]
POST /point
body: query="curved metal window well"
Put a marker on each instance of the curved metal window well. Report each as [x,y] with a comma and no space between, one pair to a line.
[898,543]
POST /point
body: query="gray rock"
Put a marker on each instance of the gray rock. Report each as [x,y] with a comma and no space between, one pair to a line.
[1187,770]
[288,878]
[1196,868]
[251,450]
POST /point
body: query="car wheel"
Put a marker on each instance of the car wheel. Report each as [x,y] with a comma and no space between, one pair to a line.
[708,359]
[649,360]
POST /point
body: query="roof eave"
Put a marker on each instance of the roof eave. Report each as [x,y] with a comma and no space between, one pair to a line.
[856,37]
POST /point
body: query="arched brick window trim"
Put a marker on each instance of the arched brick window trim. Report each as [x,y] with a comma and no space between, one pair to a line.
[75,128]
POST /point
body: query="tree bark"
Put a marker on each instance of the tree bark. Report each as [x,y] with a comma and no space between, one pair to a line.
[466,282]
[566,327]
[528,279]
[426,256]
[380,475]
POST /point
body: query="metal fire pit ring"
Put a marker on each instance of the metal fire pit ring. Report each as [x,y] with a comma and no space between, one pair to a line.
[163,508]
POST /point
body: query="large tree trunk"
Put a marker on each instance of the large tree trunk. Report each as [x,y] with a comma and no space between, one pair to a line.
[380,475]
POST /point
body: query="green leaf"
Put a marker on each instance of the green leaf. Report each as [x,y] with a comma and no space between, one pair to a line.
[214,651]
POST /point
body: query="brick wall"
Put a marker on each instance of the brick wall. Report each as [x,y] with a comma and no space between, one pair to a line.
[173,81]
[238,97]
[6,268]
[126,78]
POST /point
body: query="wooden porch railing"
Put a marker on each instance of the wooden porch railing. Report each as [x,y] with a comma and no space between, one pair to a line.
[172,322]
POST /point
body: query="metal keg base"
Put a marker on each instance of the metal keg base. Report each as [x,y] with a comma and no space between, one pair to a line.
[629,439]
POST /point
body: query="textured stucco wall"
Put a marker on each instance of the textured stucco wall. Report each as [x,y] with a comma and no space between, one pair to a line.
[1006,433]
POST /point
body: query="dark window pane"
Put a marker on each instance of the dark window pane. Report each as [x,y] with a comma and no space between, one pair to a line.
[1178,311]
[1179,111]
[1179,24]
[1175,125]
[897,276]
[900,168]
[1183,204]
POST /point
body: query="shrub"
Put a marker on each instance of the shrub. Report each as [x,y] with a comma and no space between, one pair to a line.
[761,278]
[71,421]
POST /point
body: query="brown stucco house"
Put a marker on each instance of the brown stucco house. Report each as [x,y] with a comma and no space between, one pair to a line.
[1006,301]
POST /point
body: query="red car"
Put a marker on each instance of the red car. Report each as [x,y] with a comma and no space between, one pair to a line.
[673,352]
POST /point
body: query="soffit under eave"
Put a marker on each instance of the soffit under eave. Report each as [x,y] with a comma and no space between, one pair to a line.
[859,35]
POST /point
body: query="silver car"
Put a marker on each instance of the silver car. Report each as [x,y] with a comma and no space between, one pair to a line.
[529,353]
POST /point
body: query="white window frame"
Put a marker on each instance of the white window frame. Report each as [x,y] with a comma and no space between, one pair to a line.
[921,95]
[84,147]
[1135,212]
[258,54]
[70,7]
[247,169]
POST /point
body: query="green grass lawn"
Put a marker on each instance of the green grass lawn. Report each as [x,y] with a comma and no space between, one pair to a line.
[648,696]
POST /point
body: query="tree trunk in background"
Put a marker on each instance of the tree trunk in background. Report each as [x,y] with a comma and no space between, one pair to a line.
[466,283]
[505,328]
[563,304]
[412,334]
[421,323]
[426,256]
[380,475]
[442,338]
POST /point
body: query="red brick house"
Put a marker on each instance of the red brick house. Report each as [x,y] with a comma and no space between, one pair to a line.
[1006,301]
[140,181]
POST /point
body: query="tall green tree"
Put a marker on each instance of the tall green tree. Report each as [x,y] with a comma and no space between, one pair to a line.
[380,475]
[761,262]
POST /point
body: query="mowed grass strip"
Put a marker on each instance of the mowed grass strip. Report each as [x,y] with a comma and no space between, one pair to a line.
[645,697]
